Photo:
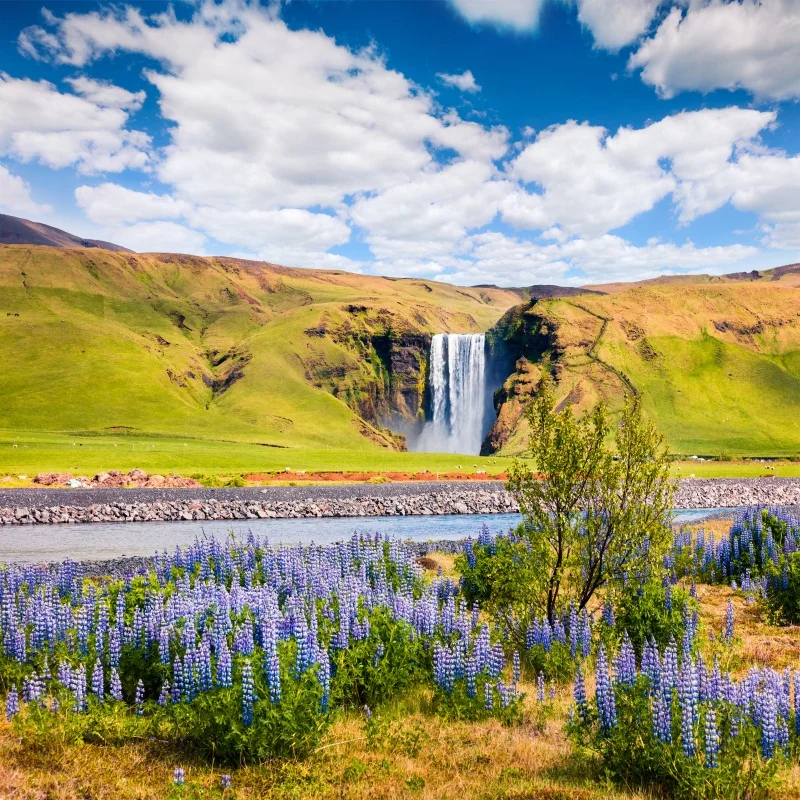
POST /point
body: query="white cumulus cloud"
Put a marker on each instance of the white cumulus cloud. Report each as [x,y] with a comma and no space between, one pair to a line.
[748,44]
[590,182]
[612,23]
[465,81]
[15,195]
[39,123]
[106,94]
[520,15]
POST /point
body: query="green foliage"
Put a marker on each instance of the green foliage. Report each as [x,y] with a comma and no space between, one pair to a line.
[209,726]
[783,591]
[643,612]
[212,726]
[630,754]
[557,664]
[389,661]
[505,576]
[459,705]
[592,512]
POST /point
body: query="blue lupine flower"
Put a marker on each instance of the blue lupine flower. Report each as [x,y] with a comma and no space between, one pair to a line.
[769,724]
[139,698]
[225,781]
[248,689]
[178,776]
[606,702]
[687,705]
[729,622]
[12,703]
[711,739]
[580,695]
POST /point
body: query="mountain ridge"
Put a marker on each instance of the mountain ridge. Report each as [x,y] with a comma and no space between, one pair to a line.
[18,230]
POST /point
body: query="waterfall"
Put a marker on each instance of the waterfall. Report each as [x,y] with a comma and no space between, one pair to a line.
[458,394]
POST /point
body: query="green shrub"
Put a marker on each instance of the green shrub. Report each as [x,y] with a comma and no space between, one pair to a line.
[643,611]
[389,661]
[630,754]
[783,591]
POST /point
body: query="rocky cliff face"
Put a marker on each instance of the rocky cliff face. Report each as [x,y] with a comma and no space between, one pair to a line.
[526,343]
[382,374]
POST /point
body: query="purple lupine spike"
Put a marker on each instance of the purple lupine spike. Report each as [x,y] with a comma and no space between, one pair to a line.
[711,739]
[604,692]
[139,697]
[247,694]
[12,703]
[769,724]
[579,694]
[687,705]
[98,681]
[165,694]
[115,689]
[729,623]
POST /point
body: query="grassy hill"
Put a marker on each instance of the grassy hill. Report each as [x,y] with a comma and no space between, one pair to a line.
[109,343]
[715,360]
[172,362]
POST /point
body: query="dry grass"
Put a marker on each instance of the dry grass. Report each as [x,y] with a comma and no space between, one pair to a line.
[455,760]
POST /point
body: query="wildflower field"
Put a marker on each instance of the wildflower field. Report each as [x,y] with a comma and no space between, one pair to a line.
[239,670]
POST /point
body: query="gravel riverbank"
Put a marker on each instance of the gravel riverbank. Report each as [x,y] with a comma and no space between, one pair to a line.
[57,506]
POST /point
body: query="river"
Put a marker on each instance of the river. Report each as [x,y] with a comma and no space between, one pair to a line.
[106,540]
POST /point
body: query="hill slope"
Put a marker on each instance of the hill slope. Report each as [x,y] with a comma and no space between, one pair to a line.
[16,230]
[219,348]
[716,363]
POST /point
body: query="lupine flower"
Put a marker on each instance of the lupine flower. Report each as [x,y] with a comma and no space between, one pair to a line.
[248,688]
[116,685]
[225,781]
[606,702]
[98,680]
[178,776]
[769,724]
[729,622]
[139,697]
[164,695]
[580,695]
[711,739]
[12,703]
[540,687]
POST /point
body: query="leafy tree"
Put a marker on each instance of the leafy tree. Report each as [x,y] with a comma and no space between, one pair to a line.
[593,513]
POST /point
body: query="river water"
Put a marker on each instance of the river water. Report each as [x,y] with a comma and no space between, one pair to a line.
[105,540]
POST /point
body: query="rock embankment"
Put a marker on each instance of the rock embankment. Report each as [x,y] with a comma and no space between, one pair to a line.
[453,502]
[734,492]
[29,507]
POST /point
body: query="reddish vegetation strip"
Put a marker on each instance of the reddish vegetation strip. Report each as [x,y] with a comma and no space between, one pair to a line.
[365,477]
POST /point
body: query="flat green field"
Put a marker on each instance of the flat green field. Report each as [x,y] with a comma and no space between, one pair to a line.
[26,453]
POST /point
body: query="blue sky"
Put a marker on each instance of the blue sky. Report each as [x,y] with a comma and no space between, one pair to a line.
[511,142]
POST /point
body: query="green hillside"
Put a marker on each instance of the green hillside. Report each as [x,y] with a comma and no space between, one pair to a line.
[214,348]
[183,363]
[716,363]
